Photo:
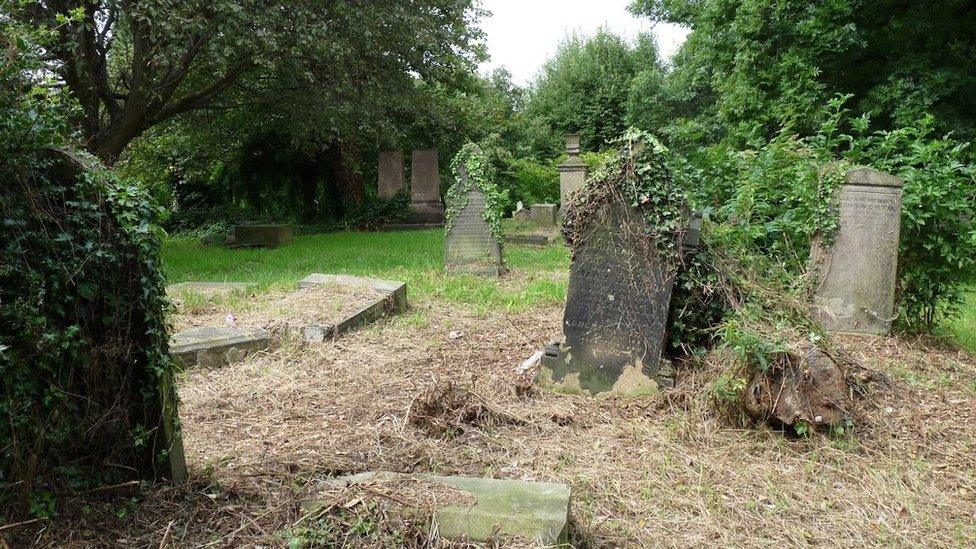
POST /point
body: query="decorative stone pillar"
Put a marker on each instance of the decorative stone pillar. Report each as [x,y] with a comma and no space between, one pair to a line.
[572,172]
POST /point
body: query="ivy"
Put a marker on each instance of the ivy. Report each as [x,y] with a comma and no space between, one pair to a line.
[480,175]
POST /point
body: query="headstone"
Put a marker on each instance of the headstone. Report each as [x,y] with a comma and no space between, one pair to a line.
[425,190]
[521,214]
[390,174]
[469,246]
[572,172]
[534,511]
[544,214]
[857,274]
[215,347]
[263,236]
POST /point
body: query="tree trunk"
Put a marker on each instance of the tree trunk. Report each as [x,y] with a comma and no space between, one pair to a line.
[342,160]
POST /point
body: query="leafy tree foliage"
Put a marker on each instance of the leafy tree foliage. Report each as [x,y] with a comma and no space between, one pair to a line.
[751,67]
[133,65]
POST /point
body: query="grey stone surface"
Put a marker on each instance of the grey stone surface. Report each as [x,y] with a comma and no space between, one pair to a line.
[393,301]
[521,213]
[425,193]
[572,172]
[534,511]
[544,214]
[263,236]
[205,289]
[469,245]
[617,309]
[216,346]
[391,173]
[857,274]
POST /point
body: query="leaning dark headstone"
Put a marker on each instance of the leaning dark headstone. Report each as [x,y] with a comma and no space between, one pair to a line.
[620,285]
[390,180]
[425,193]
[858,272]
[263,236]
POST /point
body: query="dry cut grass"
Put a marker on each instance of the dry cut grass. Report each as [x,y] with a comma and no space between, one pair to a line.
[437,391]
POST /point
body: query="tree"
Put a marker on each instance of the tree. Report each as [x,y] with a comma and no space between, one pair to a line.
[133,64]
[750,67]
[585,89]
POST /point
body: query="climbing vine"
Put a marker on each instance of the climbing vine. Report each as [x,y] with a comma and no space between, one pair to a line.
[472,170]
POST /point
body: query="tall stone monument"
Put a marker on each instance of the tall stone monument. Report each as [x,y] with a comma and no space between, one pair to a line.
[857,273]
[470,247]
[391,179]
[619,296]
[572,172]
[425,181]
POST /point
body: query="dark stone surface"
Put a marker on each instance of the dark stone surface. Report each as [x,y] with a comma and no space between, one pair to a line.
[469,246]
[263,236]
[616,310]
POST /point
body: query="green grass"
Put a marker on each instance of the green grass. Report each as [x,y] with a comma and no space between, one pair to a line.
[416,257]
[964,327]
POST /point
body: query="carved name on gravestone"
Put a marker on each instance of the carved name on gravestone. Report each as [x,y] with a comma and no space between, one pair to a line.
[425,191]
[470,247]
[390,173]
[858,272]
[572,172]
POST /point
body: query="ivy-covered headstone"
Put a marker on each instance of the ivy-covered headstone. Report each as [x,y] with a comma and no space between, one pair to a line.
[625,229]
[473,238]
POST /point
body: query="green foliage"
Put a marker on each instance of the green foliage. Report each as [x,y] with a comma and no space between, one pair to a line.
[585,89]
[83,343]
[472,170]
[530,182]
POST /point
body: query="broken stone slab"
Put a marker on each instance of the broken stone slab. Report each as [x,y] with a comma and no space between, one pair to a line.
[535,511]
[216,346]
[263,236]
[393,301]
[208,290]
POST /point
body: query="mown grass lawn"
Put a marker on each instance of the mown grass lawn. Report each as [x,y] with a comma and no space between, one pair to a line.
[417,257]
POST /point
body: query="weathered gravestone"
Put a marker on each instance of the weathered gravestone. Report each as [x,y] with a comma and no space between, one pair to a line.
[858,272]
[544,215]
[470,247]
[572,172]
[521,214]
[425,182]
[390,180]
[263,236]
[619,295]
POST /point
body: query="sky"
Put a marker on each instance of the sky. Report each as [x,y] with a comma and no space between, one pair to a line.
[523,34]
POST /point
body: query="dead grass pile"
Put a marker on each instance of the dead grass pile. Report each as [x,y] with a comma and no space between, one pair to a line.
[447,409]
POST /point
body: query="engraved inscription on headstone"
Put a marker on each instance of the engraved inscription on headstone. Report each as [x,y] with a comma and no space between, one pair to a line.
[470,247]
[858,272]
[616,309]
[391,179]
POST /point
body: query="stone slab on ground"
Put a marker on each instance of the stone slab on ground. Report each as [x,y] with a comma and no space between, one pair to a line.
[535,511]
[215,347]
[532,239]
[263,236]
[205,289]
[393,300]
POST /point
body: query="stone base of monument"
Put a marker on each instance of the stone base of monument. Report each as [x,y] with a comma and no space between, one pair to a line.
[216,347]
[392,299]
[532,239]
[262,236]
[490,270]
[481,510]
[426,213]
[529,233]
[556,373]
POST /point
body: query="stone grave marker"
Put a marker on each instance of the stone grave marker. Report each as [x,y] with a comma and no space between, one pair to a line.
[392,300]
[857,274]
[391,179]
[544,215]
[263,236]
[521,214]
[617,304]
[425,190]
[534,511]
[214,347]
[572,172]
[469,245]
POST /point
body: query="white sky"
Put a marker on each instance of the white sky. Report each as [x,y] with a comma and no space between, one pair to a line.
[523,34]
